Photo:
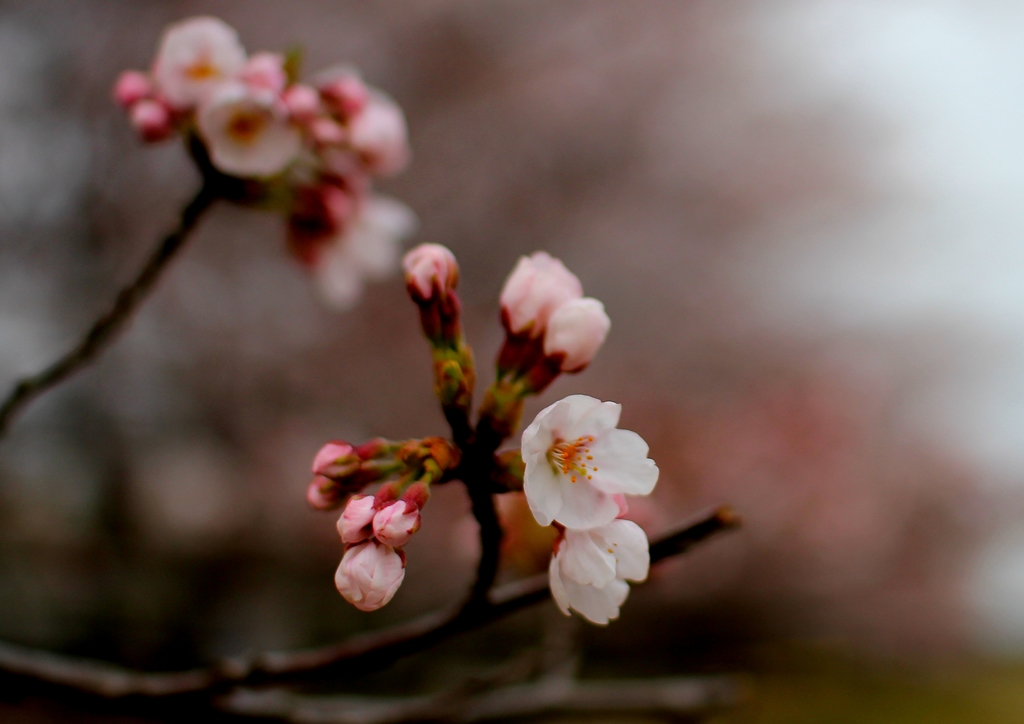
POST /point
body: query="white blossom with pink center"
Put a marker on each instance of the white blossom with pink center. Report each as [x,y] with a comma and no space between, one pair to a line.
[577,461]
[247,131]
[576,330]
[537,286]
[367,249]
[588,573]
[195,56]
[369,575]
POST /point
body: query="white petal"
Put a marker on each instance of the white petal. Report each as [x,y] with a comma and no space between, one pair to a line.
[598,605]
[584,560]
[621,464]
[341,284]
[542,488]
[377,233]
[632,551]
[583,505]
[557,588]
[594,419]
[538,437]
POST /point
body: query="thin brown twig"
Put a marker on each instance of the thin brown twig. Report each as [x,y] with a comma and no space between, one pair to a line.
[104,329]
[56,673]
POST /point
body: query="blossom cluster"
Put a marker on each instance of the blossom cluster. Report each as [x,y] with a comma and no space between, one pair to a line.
[574,465]
[309,150]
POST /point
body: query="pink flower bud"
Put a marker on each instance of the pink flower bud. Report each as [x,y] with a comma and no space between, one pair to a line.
[131,87]
[346,94]
[325,494]
[356,522]
[302,102]
[537,286]
[369,575]
[429,267]
[266,71]
[378,134]
[335,459]
[152,120]
[395,524]
[327,132]
[576,330]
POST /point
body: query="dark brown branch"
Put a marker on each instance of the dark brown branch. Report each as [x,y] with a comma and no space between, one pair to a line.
[57,673]
[674,696]
[114,319]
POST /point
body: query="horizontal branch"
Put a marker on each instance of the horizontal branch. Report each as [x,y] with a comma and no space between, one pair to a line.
[674,696]
[56,673]
[104,329]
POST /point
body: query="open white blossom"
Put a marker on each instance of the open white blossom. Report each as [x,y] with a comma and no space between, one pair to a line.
[590,569]
[195,56]
[247,131]
[368,249]
[576,460]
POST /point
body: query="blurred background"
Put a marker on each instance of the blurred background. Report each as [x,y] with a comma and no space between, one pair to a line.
[802,217]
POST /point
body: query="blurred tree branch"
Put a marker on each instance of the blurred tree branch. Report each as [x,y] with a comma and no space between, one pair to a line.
[60,676]
[105,329]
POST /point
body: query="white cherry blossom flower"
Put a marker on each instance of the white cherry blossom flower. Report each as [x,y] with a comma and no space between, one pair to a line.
[577,460]
[589,571]
[576,330]
[368,248]
[537,286]
[195,56]
[247,131]
[369,575]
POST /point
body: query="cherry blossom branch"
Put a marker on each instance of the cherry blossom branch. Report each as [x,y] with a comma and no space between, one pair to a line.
[675,696]
[105,329]
[59,675]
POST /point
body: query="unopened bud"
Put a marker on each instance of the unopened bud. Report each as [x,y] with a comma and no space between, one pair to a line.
[325,494]
[266,71]
[152,120]
[379,135]
[336,459]
[327,132]
[537,286]
[369,575]
[131,87]
[417,495]
[395,523]
[430,269]
[576,330]
[346,94]
[302,102]
[356,522]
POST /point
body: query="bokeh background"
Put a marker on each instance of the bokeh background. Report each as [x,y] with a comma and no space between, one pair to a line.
[804,219]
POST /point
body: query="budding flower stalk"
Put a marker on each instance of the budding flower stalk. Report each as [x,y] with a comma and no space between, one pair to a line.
[431,276]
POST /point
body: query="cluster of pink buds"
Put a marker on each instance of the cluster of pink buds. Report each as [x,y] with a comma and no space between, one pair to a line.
[574,465]
[550,326]
[308,150]
[373,528]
